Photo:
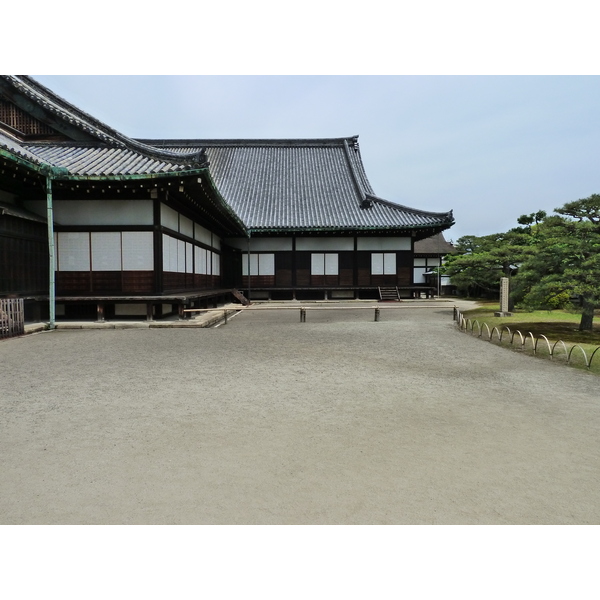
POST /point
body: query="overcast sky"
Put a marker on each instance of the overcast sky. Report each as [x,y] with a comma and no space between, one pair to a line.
[489,147]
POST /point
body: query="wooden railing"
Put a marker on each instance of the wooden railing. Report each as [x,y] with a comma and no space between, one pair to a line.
[12,317]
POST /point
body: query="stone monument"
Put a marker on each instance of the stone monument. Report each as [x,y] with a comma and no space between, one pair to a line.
[504,293]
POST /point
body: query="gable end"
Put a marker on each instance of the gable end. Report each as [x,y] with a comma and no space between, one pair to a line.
[23,125]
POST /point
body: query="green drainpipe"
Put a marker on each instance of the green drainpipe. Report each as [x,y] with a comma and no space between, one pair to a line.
[51,252]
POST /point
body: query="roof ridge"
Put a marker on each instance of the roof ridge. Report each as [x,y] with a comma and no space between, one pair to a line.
[215,142]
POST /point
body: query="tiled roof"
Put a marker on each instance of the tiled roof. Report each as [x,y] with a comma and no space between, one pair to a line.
[110,152]
[17,148]
[271,185]
[302,184]
[89,159]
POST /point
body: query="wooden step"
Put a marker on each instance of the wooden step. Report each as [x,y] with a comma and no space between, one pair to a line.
[240,297]
[389,293]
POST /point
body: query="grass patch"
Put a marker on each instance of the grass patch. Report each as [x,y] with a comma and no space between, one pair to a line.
[555,325]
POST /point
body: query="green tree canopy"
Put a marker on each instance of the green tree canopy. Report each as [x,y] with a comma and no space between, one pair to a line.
[556,258]
[566,261]
[480,262]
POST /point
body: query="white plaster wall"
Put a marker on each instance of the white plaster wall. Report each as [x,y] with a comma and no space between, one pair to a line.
[266,264]
[324,264]
[261,244]
[186,226]
[338,244]
[73,251]
[98,212]
[383,243]
[171,253]
[202,234]
[138,250]
[389,263]
[419,274]
[260,264]
[180,256]
[189,256]
[169,217]
[106,250]
[200,262]
[253,264]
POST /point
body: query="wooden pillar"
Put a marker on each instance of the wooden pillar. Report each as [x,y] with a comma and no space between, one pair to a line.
[294,265]
[158,249]
[355,265]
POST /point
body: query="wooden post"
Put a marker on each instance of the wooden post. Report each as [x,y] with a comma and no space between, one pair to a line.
[377,313]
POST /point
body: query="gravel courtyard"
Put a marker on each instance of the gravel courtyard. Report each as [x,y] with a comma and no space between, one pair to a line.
[266,420]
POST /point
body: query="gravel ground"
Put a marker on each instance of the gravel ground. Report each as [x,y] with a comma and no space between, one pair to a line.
[266,420]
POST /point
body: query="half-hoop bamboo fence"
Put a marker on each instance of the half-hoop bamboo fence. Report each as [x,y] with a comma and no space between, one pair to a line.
[540,345]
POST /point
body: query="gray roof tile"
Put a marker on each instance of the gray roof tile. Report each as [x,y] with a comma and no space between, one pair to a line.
[92,160]
[17,148]
[298,184]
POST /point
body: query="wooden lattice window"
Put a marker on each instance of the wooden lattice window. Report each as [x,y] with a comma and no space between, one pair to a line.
[22,122]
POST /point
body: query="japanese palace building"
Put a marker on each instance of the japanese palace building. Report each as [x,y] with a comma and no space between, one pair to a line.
[151,226]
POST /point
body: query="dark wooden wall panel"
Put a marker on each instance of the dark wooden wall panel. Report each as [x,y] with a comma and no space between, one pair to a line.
[73,282]
[173,281]
[346,267]
[106,282]
[259,281]
[138,282]
[405,276]
[24,258]
[283,269]
[303,269]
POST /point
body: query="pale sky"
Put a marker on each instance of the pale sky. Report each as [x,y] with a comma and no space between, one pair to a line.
[488,147]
